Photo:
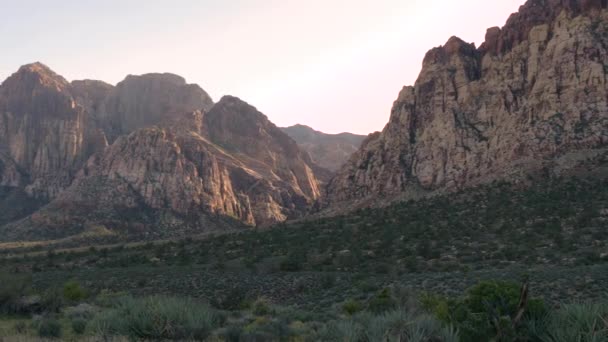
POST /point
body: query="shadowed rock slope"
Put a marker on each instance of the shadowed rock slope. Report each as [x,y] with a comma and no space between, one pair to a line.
[330,151]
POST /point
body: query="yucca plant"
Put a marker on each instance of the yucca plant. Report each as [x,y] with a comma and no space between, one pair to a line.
[576,322]
[156,317]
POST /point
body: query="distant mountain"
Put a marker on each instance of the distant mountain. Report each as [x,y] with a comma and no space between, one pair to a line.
[153,156]
[330,151]
[532,99]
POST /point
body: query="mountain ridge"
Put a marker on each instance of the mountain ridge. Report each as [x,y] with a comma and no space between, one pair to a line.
[148,156]
[534,91]
[330,151]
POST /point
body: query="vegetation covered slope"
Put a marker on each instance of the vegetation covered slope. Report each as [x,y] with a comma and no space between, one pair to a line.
[338,273]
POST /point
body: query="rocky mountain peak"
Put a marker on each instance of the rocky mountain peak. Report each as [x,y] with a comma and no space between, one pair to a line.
[237,125]
[157,77]
[141,101]
[533,95]
[33,87]
[152,155]
[534,13]
[40,73]
[454,46]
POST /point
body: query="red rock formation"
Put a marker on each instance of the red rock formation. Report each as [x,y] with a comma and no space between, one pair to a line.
[168,169]
[534,93]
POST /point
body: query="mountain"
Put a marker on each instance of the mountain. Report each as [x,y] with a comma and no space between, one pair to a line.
[153,156]
[44,135]
[140,101]
[532,99]
[330,151]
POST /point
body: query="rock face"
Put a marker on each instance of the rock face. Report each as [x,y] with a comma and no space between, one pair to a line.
[141,101]
[175,162]
[534,93]
[43,132]
[329,151]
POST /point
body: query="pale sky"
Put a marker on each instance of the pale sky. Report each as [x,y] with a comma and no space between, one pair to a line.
[331,64]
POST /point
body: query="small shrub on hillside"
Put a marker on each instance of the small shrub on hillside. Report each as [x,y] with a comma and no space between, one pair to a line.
[73,292]
[267,329]
[48,327]
[396,325]
[261,307]
[351,307]
[79,325]
[20,327]
[292,263]
[232,299]
[52,300]
[12,290]
[381,302]
[328,280]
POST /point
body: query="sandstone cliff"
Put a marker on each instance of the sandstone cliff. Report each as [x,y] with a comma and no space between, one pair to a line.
[175,162]
[141,101]
[330,151]
[533,95]
[44,133]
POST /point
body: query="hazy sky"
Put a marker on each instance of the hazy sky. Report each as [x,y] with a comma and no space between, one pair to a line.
[331,64]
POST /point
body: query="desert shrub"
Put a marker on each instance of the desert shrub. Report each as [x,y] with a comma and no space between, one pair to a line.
[293,262]
[266,329]
[232,299]
[83,310]
[52,300]
[352,307]
[401,325]
[20,327]
[486,312]
[394,325]
[73,292]
[48,327]
[382,301]
[12,290]
[261,307]
[231,333]
[344,330]
[79,325]
[157,317]
[328,280]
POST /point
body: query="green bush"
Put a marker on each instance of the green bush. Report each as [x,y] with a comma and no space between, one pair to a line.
[486,312]
[261,307]
[73,292]
[352,307]
[157,317]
